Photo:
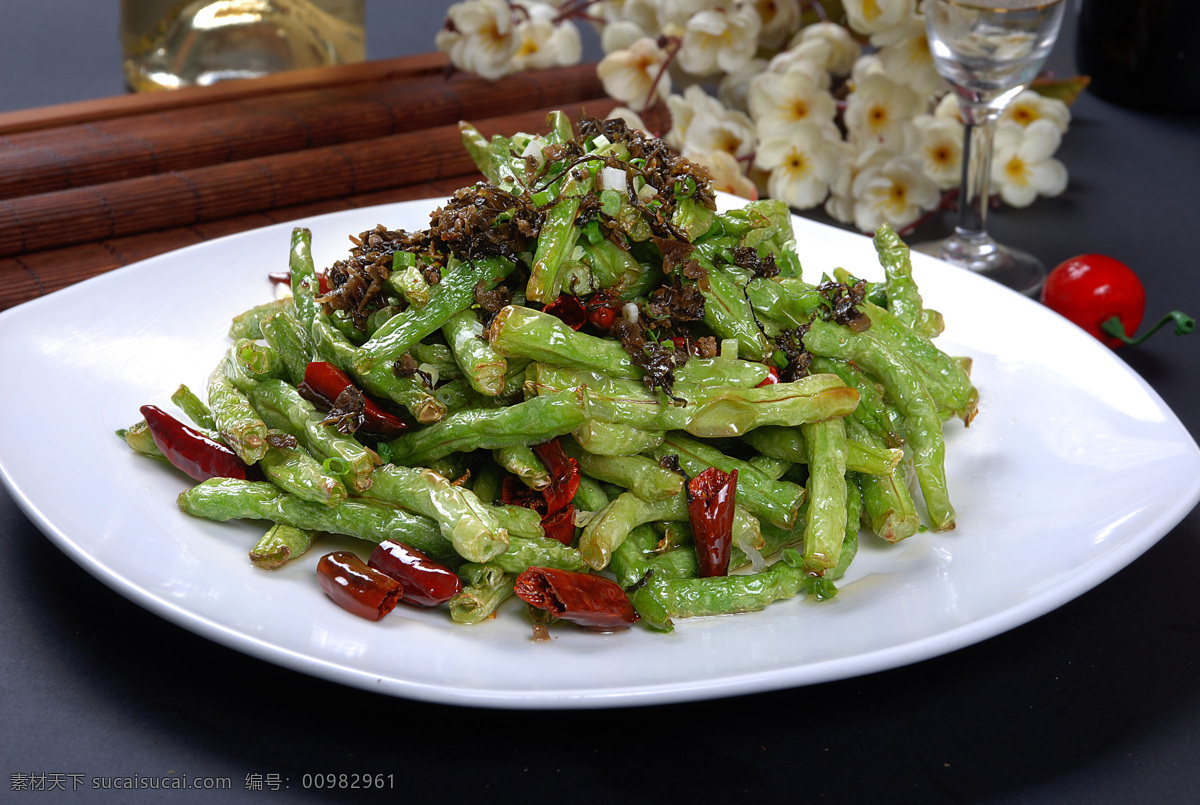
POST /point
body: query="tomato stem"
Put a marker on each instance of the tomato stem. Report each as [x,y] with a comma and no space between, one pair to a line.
[1184,324]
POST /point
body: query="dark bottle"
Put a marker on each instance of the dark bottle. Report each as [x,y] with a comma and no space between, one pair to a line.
[1142,53]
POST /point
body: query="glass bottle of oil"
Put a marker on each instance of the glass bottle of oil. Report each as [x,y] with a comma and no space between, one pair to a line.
[167,44]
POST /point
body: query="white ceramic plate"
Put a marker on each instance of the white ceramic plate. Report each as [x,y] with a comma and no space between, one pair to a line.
[1072,469]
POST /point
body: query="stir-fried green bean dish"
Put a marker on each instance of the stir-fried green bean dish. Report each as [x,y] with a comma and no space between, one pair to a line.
[581,371]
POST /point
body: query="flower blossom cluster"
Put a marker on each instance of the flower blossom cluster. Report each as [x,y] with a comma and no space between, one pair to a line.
[777,100]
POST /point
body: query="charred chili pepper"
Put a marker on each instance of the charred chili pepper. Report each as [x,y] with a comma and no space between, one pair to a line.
[710,497]
[425,582]
[569,310]
[593,602]
[564,474]
[357,588]
[326,383]
[561,524]
[190,450]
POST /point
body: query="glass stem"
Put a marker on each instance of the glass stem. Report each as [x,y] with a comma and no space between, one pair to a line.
[976,173]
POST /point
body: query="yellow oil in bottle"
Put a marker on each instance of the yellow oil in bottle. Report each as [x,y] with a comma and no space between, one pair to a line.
[167,44]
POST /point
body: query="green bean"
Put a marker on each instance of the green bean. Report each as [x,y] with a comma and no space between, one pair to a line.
[923,425]
[639,474]
[615,439]
[284,409]
[944,376]
[249,323]
[281,544]
[520,460]
[194,407]
[710,413]
[138,437]
[380,380]
[304,277]
[470,526]
[534,421]
[776,501]
[825,526]
[455,292]
[590,496]
[291,341]
[485,588]
[480,364]
[605,532]
[557,238]
[230,499]
[727,312]
[241,428]
[295,471]
[522,332]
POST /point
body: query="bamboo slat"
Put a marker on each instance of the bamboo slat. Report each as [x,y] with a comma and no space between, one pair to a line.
[242,128]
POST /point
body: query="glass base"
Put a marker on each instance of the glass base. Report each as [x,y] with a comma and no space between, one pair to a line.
[1012,268]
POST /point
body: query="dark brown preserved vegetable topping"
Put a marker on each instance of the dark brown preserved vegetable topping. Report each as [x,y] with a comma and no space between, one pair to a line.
[843,303]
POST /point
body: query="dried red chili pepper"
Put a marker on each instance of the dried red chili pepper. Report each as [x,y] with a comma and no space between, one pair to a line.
[190,450]
[325,382]
[425,582]
[357,588]
[569,310]
[602,309]
[564,474]
[514,492]
[561,524]
[710,497]
[593,602]
[285,278]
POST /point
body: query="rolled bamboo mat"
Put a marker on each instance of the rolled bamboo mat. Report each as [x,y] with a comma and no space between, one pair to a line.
[182,198]
[346,138]
[240,128]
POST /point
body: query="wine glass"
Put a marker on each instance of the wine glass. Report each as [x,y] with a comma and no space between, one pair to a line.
[989,51]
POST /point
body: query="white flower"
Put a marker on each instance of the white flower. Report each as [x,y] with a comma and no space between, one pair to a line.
[678,12]
[939,149]
[628,75]
[1023,166]
[865,66]
[702,123]
[840,204]
[804,59]
[719,40]
[479,37]
[778,100]
[880,111]
[896,192]
[948,107]
[620,34]
[780,19]
[726,172]
[801,163]
[1031,105]
[545,44]
[904,53]
[684,109]
[874,16]
[734,89]
[840,50]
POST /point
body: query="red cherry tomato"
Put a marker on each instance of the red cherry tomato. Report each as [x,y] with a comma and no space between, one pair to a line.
[1090,289]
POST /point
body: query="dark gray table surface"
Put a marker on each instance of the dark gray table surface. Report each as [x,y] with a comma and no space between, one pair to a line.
[1098,701]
